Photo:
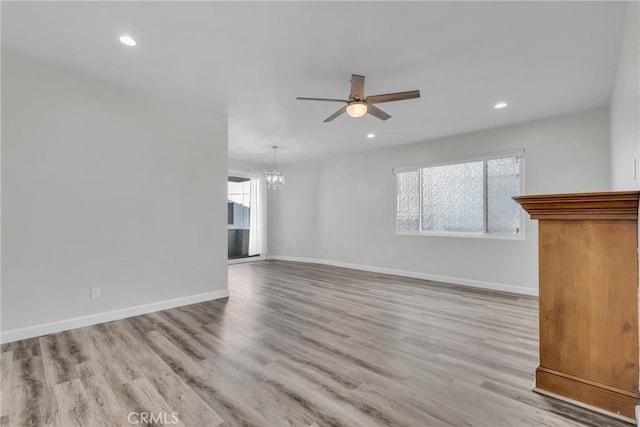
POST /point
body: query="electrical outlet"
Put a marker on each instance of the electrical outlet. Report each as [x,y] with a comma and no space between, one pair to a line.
[390,257]
[95,292]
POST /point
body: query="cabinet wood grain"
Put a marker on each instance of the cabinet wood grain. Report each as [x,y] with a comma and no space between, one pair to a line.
[588,267]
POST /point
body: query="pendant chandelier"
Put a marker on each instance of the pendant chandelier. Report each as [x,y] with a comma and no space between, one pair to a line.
[274,177]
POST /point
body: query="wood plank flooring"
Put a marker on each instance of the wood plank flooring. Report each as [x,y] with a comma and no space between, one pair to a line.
[295,345]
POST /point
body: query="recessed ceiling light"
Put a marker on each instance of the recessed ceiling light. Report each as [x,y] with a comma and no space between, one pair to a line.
[127,40]
[371,135]
[500,105]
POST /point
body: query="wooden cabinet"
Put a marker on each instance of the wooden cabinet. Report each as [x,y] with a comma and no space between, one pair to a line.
[588,264]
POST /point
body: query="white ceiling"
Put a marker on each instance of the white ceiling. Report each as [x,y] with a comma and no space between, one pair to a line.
[249,61]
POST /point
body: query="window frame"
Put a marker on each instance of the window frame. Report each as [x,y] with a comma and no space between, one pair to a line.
[519,153]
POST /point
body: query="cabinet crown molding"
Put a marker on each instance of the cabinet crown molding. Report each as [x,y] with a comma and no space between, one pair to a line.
[613,205]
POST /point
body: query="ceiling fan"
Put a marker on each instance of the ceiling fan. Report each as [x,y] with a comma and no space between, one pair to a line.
[358,105]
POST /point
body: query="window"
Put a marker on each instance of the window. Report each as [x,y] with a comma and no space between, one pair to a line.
[239,216]
[467,197]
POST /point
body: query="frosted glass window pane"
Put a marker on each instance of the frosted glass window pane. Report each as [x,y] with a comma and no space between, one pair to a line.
[453,198]
[408,202]
[503,182]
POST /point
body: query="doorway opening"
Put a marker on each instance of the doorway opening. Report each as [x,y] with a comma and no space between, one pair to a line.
[244,218]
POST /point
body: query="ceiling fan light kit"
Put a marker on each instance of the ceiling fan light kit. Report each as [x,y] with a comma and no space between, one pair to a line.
[356,109]
[358,105]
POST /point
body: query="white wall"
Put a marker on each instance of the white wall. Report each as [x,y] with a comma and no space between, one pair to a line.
[292,213]
[105,187]
[625,105]
[341,209]
[235,164]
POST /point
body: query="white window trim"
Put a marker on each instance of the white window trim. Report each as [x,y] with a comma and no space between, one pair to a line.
[497,155]
[520,153]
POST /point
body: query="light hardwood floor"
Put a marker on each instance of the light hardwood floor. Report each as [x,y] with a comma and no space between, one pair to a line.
[296,344]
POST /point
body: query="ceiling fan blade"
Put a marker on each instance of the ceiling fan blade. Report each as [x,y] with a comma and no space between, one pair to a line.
[376,112]
[336,114]
[388,97]
[357,87]
[322,99]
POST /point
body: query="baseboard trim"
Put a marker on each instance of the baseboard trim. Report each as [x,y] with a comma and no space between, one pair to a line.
[612,401]
[415,275]
[586,405]
[245,260]
[107,316]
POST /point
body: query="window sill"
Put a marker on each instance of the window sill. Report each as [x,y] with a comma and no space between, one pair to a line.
[519,236]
